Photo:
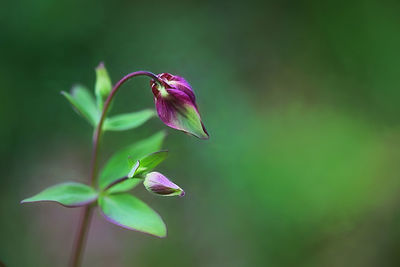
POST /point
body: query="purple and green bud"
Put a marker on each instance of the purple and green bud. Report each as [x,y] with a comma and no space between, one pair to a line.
[158,184]
[103,85]
[176,105]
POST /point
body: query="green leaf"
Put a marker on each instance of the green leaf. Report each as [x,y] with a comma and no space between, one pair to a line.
[118,166]
[68,194]
[131,213]
[128,121]
[124,186]
[150,161]
[84,103]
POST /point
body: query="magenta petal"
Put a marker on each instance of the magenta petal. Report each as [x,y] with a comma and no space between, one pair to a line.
[178,111]
[177,82]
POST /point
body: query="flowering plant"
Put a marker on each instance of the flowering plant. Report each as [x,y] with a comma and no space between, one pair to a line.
[176,106]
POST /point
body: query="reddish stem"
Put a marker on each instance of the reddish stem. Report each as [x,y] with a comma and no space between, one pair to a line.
[84,223]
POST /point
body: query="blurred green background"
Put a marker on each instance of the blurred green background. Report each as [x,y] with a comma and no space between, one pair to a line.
[301,100]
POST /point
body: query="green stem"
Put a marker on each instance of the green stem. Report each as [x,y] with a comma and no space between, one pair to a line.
[84,223]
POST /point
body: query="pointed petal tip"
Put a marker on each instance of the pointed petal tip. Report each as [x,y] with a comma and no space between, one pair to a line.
[205,136]
[201,135]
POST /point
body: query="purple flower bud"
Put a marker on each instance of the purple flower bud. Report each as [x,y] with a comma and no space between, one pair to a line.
[176,105]
[158,184]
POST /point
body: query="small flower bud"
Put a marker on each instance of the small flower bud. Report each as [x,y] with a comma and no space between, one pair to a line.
[158,184]
[176,105]
[103,85]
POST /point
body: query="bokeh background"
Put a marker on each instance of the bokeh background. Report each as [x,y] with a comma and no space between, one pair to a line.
[301,99]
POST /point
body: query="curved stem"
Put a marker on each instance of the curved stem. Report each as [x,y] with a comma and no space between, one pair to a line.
[86,215]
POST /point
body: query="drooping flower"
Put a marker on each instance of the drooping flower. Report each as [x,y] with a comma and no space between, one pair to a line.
[158,184]
[176,105]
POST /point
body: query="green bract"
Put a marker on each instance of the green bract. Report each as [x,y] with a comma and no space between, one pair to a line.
[103,85]
[150,161]
[134,168]
[69,194]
